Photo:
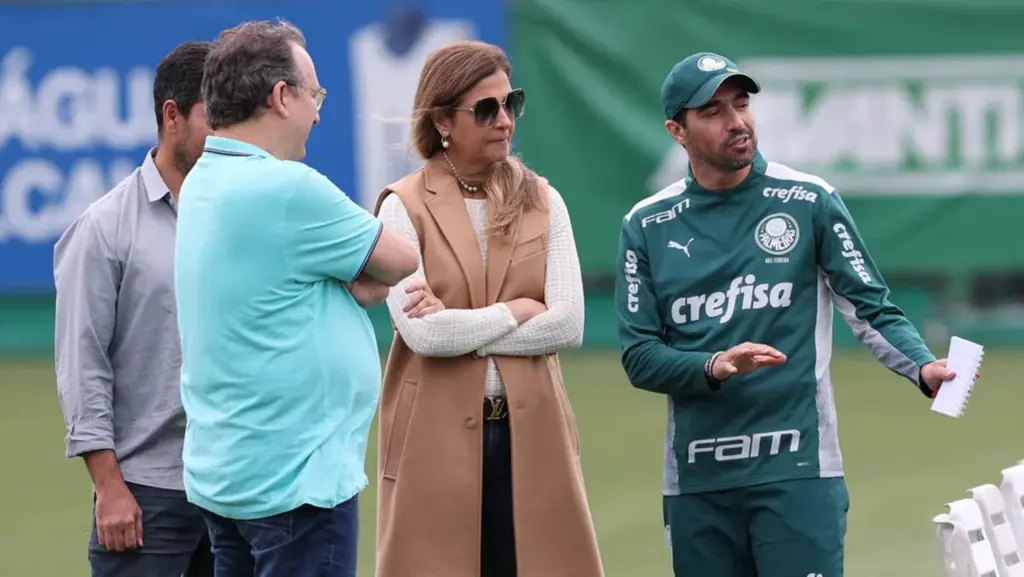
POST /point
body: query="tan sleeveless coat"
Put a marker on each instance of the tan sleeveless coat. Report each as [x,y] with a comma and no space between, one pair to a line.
[430,436]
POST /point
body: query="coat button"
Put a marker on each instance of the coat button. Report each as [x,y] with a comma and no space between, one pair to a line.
[470,423]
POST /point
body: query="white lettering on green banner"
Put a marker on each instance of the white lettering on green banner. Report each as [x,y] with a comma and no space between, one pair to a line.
[934,125]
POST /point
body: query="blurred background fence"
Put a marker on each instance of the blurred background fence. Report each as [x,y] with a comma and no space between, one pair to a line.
[914,109]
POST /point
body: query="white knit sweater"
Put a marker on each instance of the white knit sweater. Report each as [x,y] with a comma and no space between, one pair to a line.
[492,330]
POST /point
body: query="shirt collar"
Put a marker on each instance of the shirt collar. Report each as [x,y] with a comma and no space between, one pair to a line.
[156,188]
[232,147]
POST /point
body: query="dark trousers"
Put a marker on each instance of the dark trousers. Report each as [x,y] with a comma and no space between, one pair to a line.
[306,542]
[174,536]
[498,546]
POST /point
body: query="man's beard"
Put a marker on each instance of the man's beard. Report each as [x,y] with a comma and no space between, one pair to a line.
[182,160]
[725,162]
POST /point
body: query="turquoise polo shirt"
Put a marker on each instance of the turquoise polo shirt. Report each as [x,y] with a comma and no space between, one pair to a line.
[280,373]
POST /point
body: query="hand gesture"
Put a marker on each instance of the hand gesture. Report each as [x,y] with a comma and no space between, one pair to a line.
[745,358]
[422,301]
[118,519]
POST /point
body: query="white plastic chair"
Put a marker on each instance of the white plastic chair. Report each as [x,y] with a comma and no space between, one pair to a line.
[999,530]
[1012,489]
[963,542]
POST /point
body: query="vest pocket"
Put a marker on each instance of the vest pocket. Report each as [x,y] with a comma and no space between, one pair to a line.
[531,247]
[399,429]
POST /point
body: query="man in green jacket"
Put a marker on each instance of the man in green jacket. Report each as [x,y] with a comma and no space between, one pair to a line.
[736,268]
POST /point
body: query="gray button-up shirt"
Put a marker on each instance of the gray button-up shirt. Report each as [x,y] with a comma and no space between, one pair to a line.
[118,358]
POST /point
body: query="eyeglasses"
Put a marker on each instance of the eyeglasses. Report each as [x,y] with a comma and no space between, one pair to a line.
[318,94]
[486,110]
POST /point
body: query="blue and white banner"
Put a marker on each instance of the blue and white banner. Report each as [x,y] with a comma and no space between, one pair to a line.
[77,112]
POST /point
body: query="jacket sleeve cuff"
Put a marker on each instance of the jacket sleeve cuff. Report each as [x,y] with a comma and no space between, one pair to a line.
[713,383]
[921,385]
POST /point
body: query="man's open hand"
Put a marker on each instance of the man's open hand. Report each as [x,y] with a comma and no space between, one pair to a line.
[745,358]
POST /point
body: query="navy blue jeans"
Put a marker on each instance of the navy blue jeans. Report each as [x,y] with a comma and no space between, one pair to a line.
[307,542]
[175,542]
[498,540]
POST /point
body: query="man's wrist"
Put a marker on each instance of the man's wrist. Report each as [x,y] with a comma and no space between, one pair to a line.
[104,470]
[921,384]
[709,374]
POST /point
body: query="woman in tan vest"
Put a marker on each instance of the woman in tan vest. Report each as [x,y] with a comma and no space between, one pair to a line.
[479,465]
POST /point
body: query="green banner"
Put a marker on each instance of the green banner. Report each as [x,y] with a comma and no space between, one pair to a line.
[913,110]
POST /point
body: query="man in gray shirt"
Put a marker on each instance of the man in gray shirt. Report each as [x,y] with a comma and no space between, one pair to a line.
[118,357]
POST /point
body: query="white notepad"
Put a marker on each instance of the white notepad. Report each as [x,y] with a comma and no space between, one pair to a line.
[964,359]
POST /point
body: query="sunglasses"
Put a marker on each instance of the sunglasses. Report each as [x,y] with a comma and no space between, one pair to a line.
[486,110]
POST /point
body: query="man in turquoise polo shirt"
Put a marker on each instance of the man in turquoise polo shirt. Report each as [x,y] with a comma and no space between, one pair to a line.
[280,369]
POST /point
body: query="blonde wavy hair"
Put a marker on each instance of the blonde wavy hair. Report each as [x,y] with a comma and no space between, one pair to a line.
[448,74]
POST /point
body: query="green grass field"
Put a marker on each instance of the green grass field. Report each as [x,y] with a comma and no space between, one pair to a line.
[903,463]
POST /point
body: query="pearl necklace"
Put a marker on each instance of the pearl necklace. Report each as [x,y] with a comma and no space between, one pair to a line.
[462,183]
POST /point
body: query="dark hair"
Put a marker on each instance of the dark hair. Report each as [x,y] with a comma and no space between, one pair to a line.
[680,117]
[179,78]
[244,65]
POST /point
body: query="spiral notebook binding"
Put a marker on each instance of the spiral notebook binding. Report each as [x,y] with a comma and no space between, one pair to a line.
[974,377]
[967,399]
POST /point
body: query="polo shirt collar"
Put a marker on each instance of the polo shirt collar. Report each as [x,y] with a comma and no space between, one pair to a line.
[232,147]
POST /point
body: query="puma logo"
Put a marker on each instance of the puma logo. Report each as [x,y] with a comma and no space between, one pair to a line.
[685,248]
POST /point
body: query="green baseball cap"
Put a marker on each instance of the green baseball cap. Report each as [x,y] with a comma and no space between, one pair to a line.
[693,82]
